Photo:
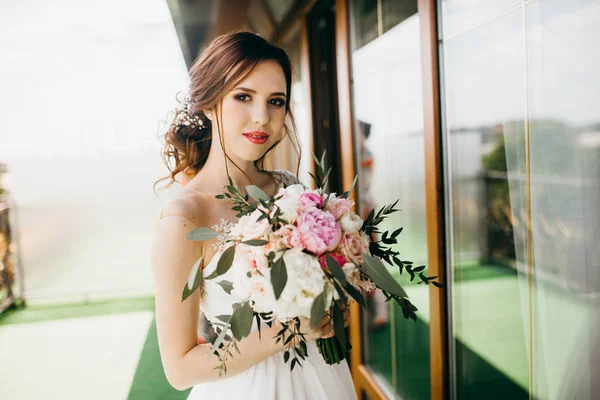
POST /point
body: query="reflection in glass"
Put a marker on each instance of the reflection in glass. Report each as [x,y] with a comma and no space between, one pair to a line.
[485,121]
[563,63]
[461,15]
[524,164]
[389,127]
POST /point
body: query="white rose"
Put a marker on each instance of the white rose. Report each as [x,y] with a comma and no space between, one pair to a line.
[289,203]
[350,222]
[305,282]
[248,227]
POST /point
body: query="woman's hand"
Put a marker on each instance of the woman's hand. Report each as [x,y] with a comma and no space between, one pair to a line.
[324,328]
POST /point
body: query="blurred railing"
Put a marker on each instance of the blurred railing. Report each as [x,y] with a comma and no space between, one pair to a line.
[10,270]
[564,227]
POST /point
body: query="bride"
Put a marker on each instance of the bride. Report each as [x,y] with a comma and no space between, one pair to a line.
[234,115]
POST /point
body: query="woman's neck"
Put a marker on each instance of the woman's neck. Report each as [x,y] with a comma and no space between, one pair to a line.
[213,175]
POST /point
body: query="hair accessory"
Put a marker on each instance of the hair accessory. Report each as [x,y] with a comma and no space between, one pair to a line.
[187,117]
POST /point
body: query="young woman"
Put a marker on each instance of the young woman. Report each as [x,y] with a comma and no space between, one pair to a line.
[234,115]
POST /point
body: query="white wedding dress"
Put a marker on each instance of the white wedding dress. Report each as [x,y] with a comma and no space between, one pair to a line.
[271,378]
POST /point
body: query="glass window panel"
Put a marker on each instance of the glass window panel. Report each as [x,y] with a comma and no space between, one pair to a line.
[484,83]
[388,107]
[460,15]
[393,12]
[563,62]
[364,21]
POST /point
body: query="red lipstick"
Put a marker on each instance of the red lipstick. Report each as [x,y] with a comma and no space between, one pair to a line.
[256,137]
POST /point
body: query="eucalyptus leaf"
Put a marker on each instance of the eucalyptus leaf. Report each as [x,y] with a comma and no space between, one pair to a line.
[255,242]
[227,286]
[224,318]
[219,340]
[338,327]
[200,234]
[241,321]
[256,193]
[225,261]
[355,294]
[381,277]
[335,269]
[279,277]
[317,310]
[194,280]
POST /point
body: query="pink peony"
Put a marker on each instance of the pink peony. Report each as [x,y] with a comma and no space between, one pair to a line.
[339,258]
[318,230]
[354,246]
[311,199]
[339,206]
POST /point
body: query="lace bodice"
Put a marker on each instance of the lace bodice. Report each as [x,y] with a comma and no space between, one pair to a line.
[285,177]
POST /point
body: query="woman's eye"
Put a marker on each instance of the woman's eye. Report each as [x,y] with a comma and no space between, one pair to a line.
[279,102]
[239,96]
[275,102]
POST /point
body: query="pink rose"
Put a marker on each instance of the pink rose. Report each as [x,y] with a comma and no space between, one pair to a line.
[339,206]
[353,247]
[310,199]
[319,232]
[339,258]
[288,236]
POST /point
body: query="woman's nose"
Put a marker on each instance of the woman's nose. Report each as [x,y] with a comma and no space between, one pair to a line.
[260,115]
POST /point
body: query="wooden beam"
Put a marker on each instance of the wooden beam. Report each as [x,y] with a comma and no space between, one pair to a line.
[294,16]
[363,380]
[434,194]
[228,15]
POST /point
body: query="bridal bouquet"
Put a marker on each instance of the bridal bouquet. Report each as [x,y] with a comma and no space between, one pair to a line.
[301,253]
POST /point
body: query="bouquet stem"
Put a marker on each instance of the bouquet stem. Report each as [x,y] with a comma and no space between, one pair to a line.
[331,350]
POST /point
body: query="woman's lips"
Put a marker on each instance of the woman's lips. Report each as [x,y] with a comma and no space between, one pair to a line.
[256,139]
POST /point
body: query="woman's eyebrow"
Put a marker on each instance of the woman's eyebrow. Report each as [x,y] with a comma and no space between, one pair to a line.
[254,91]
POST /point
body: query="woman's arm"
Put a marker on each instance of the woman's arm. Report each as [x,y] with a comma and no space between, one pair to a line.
[186,362]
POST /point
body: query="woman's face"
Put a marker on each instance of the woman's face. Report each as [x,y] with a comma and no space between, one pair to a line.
[254,113]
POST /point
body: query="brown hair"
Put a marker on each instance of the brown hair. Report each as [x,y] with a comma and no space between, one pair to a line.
[236,52]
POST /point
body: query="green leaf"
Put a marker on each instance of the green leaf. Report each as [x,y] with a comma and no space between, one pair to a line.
[255,242]
[338,326]
[224,318]
[241,321]
[437,284]
[227,286]
[419,268]
[286,356]
[225,261]
[219,340]
[352,186]
[200,234]
[278,276]
[194,280]
[381,277]
[335,269]
[355,294]
[317,310]
[256,193]
[327,197]
[316,159]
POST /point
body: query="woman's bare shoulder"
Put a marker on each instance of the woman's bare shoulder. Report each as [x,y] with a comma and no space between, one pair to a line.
[194,206]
